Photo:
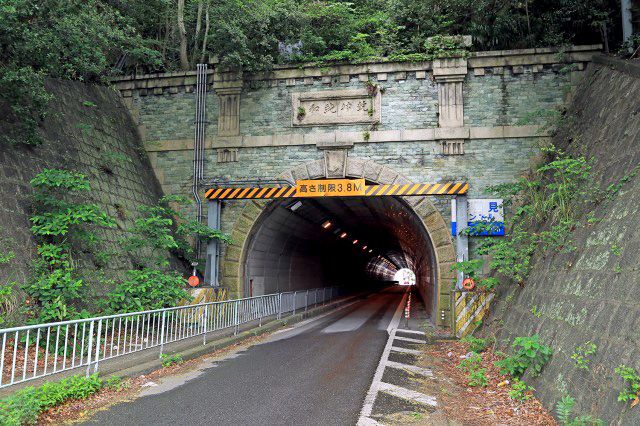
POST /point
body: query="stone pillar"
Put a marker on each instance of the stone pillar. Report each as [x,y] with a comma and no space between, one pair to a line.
[228,87]
[449,73]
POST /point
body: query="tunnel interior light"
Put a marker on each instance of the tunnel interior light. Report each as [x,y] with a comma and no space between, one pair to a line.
[295,206]
[327,224]
[355,241]
[370,250]
[343,235]
[364,247]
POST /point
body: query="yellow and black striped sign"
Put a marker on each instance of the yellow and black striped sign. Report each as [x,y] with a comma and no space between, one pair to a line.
[409,189]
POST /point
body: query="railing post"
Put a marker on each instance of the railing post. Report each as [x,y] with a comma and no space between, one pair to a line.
[306,301]
[260,310]
[164,314]
[95,369]
[294,303]
[236,317]
[279,305]
[90,348]
[205,320]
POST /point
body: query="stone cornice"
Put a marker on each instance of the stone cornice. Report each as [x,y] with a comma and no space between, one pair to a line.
[347,139]
[304,73]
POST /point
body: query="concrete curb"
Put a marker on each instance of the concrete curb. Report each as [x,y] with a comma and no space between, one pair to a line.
[200,350]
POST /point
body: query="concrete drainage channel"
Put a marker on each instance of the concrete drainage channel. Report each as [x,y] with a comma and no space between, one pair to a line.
[140,363]
[391,390]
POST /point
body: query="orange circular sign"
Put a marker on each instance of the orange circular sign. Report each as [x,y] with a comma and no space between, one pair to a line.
[468,284]
[194,281]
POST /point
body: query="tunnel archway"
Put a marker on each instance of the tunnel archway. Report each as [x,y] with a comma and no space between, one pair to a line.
[299,244]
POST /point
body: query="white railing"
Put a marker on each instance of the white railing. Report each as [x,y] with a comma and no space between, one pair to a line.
[34,351]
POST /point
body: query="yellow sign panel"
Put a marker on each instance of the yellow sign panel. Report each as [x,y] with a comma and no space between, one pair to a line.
[330,188]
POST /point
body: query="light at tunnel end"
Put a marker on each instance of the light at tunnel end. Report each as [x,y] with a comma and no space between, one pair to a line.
[405,276]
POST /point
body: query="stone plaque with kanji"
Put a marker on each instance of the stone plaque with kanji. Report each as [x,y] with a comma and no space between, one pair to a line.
[335,107]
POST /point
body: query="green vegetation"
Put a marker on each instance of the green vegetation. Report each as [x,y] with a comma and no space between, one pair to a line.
[65,226]
[478,378]
[61,222]
[564,407]
[91,40]
[581,354]
[169,360]
[549,200]
[476,344]
[520,391]
[632,381]
[471,363]
[471,366]
[23,407]
[529,353]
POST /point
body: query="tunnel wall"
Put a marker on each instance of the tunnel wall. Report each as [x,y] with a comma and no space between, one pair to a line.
[591,293]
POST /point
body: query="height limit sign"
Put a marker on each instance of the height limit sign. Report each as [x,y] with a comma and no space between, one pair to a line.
[330,188]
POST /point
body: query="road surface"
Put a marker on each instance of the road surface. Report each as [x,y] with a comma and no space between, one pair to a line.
[316,373]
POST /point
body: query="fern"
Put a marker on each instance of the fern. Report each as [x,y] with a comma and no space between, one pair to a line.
[564,407]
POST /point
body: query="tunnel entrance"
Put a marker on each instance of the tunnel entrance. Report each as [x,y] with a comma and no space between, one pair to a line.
[348,241]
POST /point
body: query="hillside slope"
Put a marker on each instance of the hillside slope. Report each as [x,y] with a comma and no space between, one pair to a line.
[592,293]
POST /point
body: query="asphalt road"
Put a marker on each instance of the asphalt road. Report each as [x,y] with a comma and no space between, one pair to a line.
[316,373]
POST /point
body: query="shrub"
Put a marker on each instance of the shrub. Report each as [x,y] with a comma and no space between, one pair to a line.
[530,352]
[23,407]
[169,360]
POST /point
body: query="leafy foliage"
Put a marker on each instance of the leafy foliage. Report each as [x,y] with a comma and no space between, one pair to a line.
[69,39]
[169,360]
[476,344]
[581,354]
[58,217]
[632,379]
[478,378]
[146,289]
[23,407]
[564,407]
[550,198]
[520,391]
[529,352]
[471,363]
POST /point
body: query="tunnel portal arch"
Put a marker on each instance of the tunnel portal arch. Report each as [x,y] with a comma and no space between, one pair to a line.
[442,251]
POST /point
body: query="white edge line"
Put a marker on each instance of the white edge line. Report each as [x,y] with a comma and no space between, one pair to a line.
[370,398]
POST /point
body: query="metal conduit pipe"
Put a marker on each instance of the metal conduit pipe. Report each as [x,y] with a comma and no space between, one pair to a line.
[198,143]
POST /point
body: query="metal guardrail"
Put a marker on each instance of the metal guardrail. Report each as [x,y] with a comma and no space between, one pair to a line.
[35,351]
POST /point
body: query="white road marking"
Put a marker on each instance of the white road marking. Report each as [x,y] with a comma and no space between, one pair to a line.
[370,398]
[404,330]
[409,339]
[408,394]
[405,350]
[354,320]
[412,368]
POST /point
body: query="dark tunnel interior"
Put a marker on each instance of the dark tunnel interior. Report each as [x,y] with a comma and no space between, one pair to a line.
[346,241]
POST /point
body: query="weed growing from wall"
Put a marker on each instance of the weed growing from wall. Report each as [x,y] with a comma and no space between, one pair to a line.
[61,221]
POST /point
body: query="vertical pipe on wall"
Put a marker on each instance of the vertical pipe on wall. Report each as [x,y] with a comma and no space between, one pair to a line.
[198,142]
